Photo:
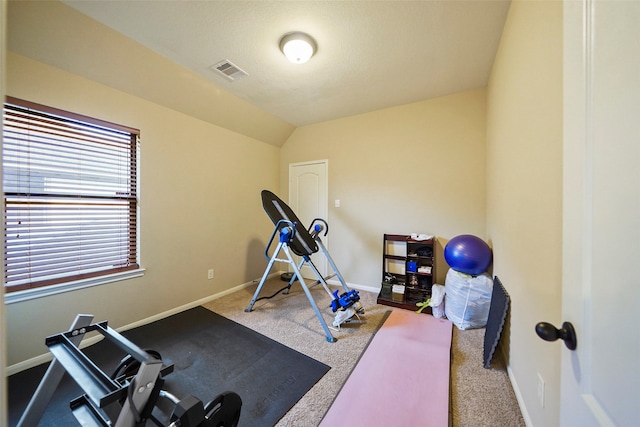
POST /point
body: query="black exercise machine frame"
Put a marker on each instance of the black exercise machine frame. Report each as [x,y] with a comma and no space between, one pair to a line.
[137,389]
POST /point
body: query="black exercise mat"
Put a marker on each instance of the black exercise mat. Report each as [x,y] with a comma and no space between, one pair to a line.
[211,354]
[498,310]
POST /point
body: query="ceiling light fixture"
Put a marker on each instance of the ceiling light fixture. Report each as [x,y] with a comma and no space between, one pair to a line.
[298,47]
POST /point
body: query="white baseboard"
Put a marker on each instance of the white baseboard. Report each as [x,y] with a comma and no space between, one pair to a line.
[516,390]
[44,358]
[365,288]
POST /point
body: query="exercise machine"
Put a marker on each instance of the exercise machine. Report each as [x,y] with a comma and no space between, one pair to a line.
[303,242]
[129,396]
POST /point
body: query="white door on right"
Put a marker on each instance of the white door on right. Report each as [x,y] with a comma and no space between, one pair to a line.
[601,241]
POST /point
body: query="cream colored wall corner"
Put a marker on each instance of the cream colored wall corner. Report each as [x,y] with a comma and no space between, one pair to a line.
[199,201]
[419,168]
[524,193]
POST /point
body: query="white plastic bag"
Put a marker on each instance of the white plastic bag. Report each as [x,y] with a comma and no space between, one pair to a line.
[437,301]
[468,299]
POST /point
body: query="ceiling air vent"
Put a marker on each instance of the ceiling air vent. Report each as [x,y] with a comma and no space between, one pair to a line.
[229,70]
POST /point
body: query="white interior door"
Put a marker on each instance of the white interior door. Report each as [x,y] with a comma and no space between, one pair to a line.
[601,248]
[308,194]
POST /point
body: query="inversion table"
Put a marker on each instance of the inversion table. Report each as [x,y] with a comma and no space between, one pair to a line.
[304,243]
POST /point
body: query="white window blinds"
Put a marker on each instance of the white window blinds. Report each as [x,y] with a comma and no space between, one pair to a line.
[70,196]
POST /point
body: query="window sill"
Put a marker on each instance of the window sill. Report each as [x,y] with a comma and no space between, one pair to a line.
[30,294]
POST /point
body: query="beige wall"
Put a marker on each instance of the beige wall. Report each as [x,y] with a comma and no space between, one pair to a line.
[484,162]
[524,193]
[414,168]
[200,208]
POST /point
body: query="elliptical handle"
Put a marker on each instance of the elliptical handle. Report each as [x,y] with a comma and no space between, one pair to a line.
[317,228]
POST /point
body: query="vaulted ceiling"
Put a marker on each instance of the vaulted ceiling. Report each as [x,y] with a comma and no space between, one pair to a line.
[371,54]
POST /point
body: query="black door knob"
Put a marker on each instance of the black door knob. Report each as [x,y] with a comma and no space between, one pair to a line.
[548,332]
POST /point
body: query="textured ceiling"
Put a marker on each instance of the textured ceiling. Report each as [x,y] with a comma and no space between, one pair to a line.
[371,54]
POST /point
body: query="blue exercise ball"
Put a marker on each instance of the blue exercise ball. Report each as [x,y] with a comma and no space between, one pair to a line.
[468,254]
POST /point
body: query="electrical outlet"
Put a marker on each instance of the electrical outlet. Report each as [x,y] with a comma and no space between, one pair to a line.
[210,274]
[541,390]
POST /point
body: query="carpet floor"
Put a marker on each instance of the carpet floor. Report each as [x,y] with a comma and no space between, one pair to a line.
[479,397]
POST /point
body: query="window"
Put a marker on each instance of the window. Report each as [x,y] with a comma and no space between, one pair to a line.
[70,196]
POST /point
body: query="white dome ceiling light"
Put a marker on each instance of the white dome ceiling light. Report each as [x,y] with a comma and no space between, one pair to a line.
[298,47]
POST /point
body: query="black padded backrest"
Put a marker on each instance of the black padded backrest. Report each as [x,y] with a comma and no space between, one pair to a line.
[302,243]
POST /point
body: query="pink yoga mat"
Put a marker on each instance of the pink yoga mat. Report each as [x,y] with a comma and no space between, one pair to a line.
[402,379]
